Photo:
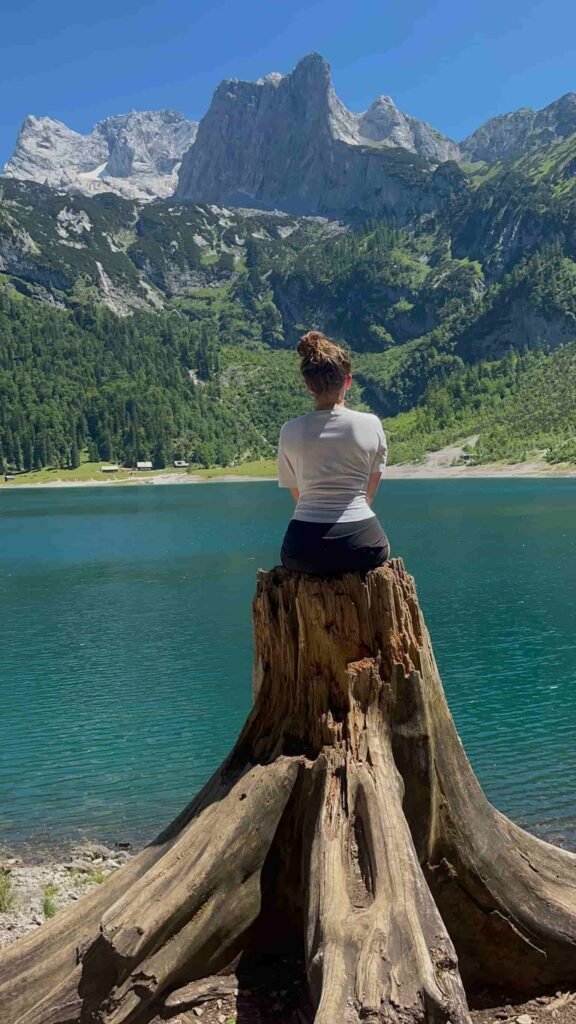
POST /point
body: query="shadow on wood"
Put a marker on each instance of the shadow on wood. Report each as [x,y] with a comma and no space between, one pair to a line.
[346,822]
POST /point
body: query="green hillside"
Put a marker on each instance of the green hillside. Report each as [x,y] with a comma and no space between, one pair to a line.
[519,406]
[166,331]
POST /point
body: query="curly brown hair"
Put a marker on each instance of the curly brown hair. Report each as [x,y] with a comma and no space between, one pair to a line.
[324,364]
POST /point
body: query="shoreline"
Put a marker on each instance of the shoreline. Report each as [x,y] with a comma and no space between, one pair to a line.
[430,469]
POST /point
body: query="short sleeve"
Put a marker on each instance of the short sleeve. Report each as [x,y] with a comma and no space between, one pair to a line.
[286,475]
[381,454]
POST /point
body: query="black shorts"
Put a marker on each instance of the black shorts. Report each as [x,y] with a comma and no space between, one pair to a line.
[328,549]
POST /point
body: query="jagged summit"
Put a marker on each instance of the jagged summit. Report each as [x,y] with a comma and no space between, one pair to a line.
[314,64]
[285,140]
[136,154]
[384,123]
[290,141]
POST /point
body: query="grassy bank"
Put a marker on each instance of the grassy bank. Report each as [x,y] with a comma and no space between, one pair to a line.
[258,468]
[91,472]
[87,472]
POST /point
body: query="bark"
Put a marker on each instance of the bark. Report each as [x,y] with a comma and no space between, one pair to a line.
[346,820]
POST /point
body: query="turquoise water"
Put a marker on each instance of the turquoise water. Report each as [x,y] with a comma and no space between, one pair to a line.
[125,655]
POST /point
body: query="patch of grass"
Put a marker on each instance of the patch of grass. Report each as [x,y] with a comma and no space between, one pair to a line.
[7,894]
[98,875]
[95,876]
[49,905]
[86,472]
[260,467]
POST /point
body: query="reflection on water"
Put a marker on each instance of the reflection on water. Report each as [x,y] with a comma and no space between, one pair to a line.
[126,642]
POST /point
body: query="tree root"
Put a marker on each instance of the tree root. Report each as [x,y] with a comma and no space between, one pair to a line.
[182,918]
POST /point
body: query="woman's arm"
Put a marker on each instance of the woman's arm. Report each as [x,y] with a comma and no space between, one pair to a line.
[373,483]
[378,463]
[286,474]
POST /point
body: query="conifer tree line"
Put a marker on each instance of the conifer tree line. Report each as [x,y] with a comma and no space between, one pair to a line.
[123,389]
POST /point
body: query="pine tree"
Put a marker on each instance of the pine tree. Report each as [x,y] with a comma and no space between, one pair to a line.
[159,458]
[74,455]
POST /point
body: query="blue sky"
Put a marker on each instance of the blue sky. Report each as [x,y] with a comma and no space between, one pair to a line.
[451,62]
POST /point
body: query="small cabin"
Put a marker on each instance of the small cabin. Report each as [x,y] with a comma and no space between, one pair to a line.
[143,466]
[109,469]
[180,464]
[8,477]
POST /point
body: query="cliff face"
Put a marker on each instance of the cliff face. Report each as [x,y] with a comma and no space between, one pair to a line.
[289,142]
[136,155]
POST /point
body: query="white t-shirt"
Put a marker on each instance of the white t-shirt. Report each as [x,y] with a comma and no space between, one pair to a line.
[329,456]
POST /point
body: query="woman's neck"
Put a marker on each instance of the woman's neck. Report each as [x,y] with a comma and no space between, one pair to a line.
[327,404]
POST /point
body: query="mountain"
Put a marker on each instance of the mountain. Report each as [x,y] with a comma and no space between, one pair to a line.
[521,132]
[288,142]
[136,155]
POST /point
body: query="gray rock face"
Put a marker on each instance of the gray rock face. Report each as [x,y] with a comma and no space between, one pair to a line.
[136,155]
[289,141]
[521,132]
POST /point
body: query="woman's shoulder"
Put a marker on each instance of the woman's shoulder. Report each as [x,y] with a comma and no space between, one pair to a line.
[293,426]
[368,418]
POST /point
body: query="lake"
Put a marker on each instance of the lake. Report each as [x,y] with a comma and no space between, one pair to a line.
[125,660]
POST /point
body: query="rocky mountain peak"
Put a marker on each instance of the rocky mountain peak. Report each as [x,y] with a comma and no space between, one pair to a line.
[136,154]
[383,103]
[285,140]
[43,142]
[384,122]
[567,101]
[280,141]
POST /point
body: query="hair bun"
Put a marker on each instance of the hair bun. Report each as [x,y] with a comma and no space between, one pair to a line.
[324,364]
[312,345]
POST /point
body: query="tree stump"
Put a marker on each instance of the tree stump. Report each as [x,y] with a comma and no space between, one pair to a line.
[346,822]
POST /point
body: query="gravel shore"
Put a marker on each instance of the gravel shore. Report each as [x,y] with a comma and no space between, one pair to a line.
[33,892]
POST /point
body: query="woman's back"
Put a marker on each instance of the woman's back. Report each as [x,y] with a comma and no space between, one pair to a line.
[329,455]
[332,460]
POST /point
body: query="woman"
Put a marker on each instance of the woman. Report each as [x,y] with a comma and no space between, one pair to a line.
[332,460]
